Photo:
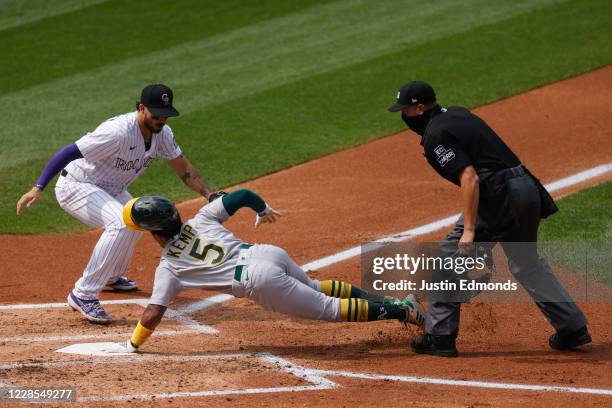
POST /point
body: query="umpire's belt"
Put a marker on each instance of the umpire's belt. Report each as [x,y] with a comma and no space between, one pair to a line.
[241,261]
[501,176]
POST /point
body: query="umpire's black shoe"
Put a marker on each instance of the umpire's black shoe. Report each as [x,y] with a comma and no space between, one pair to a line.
[442,346]
[566,341]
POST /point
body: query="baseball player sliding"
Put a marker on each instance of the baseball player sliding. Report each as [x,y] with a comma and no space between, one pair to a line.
[95,173]
[202,253]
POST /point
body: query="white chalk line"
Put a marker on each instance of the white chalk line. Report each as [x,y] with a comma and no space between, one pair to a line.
[464,383]
[316,377]
[195,394]
[45,338]
[189,322]
[317,382]
[205,303]
[178,315]
[580,177]
[137,301]
[191,326]
[129,359]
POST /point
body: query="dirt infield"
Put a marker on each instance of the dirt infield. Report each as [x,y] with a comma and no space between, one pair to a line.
[328,205]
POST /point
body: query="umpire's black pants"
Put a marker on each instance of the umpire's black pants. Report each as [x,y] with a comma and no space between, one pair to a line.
[533,273]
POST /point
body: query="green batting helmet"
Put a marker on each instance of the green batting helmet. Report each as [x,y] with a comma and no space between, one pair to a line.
[151,213]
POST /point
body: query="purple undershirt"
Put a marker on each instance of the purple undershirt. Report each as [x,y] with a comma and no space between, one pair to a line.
[59,160]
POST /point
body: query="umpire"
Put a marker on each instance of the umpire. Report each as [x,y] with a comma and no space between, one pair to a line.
[502,202]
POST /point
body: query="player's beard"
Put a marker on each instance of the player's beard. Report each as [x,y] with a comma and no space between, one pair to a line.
[149,125]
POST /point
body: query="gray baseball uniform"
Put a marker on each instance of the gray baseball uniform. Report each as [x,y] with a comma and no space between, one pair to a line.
[207,255]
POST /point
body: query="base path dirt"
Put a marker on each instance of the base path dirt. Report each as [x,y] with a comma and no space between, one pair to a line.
[337,202]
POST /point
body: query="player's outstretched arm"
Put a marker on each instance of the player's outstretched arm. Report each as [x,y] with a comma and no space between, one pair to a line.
[247,198]
[150,319]
[190,176]
[59,160]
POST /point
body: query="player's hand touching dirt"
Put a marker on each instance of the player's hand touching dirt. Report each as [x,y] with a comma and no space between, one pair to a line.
[268,215]
[119,348]
[29,198]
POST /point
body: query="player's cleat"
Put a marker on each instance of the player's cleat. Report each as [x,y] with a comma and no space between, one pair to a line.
[390,300]
[415,313]
[122,284]
[442,346]
[560,341]
[91,309]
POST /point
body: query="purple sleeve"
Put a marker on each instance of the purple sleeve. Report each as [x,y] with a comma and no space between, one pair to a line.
[59,160]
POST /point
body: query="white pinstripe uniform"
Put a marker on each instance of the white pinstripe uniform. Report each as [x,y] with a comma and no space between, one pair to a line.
[95,189]
[205,255]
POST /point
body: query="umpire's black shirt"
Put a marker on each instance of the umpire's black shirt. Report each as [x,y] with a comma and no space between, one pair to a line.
[456,138]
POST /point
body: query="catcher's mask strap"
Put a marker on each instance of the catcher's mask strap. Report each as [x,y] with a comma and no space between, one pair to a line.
[127,216]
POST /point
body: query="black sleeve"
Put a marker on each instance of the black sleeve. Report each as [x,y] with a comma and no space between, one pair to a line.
[446,155]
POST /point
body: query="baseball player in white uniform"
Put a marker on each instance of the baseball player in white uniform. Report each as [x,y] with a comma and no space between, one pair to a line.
[202,253]
[95,173]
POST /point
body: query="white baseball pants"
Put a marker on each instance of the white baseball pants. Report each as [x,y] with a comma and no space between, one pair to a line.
[95,207]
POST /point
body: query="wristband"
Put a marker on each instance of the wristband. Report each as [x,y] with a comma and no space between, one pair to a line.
[140,335]
[265,211]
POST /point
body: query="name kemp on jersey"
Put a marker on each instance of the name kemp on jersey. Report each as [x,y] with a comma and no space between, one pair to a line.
[188,238]
[176,247]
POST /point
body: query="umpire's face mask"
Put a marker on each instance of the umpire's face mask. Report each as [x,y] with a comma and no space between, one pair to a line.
[419,123]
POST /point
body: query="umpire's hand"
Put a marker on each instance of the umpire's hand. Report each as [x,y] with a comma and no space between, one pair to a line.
[466,243]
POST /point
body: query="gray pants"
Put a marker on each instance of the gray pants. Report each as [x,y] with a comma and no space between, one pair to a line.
[533,273]
[274,281]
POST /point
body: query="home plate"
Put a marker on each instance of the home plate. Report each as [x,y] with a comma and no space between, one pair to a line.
[96,349]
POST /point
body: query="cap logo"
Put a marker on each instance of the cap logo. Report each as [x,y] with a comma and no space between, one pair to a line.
[166,99]
[414,100]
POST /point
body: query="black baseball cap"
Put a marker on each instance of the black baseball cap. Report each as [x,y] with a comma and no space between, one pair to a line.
[158,99]
[413,93]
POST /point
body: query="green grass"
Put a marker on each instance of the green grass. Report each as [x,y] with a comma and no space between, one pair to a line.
[268,86]
[585,216]
[579,236]
[107,32]
[14,13]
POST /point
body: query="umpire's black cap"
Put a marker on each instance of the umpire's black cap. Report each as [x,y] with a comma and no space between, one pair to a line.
[413,93]
[158,99]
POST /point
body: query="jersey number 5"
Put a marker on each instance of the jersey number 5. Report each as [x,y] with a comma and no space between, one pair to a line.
[205,250]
